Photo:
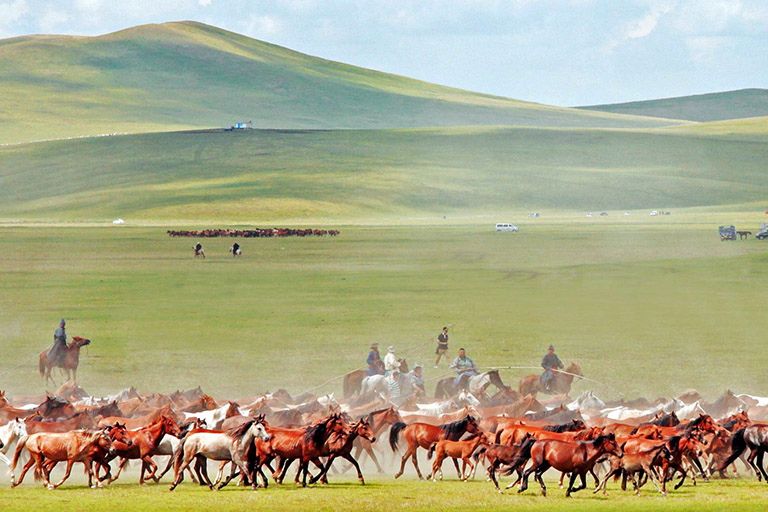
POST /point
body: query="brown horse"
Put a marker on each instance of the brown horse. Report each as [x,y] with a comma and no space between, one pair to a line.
[144,444]
[73,446]
[561,385]
[341,446]
[79,420]
[377,420]
[457,450]
[353,382]
[68,364]
[98,452]
[574,457]
[424,435]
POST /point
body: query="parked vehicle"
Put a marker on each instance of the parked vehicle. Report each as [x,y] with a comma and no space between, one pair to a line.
[763,234]
[727,233]
[503,226]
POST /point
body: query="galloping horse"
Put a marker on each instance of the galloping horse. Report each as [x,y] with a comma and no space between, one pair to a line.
[145,441]
[232,446]
[561,385]
[341,446]
[69,362]
[424,435]
[447,387]
[73,446]
[9,433]
[379,382]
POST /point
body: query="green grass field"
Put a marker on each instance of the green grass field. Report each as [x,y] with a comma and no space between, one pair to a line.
[383,493]
[629,298]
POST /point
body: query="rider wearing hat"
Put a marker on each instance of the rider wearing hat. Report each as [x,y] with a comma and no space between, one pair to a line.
[551,363]
[375,366]
[390,361]
[57,351]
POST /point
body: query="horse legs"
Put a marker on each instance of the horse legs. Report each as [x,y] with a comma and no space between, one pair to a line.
[66,475]
[403,461]
[147,462]
[492,475]
[537,476]
[180,472]
[29,464]
[368,447]
[456,465]
[760,454]
[120,467]
[570,484]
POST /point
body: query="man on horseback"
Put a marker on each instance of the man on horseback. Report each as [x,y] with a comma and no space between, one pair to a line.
[551,363]
[59,349]
[463,365]
[375,366]
[390,361]
[199,252]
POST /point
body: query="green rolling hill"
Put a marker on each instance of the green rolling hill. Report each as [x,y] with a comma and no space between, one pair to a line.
[349,175]
[717,106]
[186,75]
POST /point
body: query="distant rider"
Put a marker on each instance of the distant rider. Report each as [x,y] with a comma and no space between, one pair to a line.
[375,365]
[235,250]
[463,365]
[442,345]
[390,361]
[199,250]
[59,349]
[551,363]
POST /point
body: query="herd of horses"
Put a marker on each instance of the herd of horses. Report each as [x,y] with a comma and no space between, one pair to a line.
[254,233]
[507,432]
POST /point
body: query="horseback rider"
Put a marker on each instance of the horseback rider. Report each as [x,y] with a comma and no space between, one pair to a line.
[551,363]
[390,361]
[375,365]
[417,381]
[442,345]
[199,250]
[59,349]
[463,365]
[235,250]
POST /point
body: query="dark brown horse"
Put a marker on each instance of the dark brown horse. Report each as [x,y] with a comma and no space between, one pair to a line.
[68,363]
[574,457]
[144,444]
[425,436]
[341,446]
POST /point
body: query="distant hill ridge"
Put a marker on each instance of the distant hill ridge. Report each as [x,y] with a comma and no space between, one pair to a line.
[185,75]
[717,106]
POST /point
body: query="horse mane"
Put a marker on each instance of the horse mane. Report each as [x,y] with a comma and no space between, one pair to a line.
[674,442]
[564,427]
[315,433]
[453,431]
[239,431]
[372,414]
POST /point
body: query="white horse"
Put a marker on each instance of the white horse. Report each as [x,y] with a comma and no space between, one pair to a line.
[213,417]
[463,399]
[10,432]
[690,412]
[376,383]
[586,401]
[220,446]
[478,383]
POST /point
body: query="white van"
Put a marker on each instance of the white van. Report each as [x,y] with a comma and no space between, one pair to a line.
[503,226]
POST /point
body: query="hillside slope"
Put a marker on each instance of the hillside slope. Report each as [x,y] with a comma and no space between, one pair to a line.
[183,75]
[717,106]
[263,175]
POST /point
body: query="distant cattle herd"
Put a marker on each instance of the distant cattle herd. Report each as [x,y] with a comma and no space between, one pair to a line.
[253,233]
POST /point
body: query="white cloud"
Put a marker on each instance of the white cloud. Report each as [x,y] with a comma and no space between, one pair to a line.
[204,3]
[51,20]
[707,50]
[11,13]
[642,27]
[263,26]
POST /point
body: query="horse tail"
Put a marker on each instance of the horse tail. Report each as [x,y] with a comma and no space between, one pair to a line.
[634,431]
[431,451]
[394,433]
[19,448]
[41,365]
[738,445]
[522,456]
[178,455]
[498,436]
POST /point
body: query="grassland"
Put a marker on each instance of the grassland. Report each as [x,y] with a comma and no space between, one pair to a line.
[629,298]
[187,74]
[718,106]
[383,494]
[381,175]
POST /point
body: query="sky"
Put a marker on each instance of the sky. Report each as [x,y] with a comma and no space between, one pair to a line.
[560,52]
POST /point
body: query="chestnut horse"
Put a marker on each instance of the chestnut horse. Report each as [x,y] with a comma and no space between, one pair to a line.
[377,420]
[68,364]
[561,385]
[341,446]
[74,446]
[424,435]
[145,441]
[574,457]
